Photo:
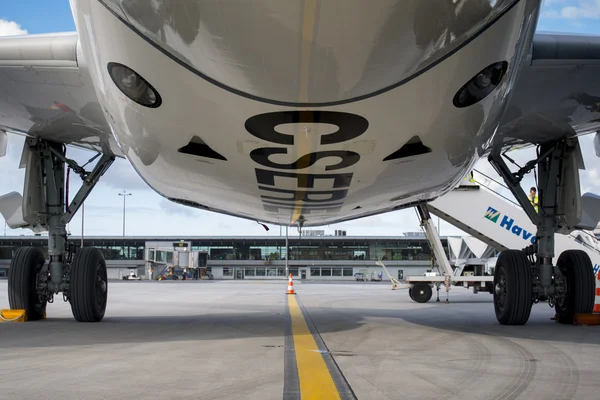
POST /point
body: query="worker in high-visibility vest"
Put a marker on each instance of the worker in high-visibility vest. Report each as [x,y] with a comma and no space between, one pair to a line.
[533,198]
[471,177]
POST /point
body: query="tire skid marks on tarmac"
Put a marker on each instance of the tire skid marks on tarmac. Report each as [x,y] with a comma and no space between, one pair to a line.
[559,372]
[568,374]
[435,337]
[480,359]
[563,379]
[523,375]
[479,364]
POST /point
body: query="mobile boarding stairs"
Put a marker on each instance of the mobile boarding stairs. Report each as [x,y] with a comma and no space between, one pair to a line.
[493,219]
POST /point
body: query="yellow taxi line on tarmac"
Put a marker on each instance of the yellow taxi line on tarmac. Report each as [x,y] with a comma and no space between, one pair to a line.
[314,377]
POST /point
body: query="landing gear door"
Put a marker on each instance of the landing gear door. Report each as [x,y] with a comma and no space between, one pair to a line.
[3,143]
[590,212]
[570,192]
[33,195]
[11,210]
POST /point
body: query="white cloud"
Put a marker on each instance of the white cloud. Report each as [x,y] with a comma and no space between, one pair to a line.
[11,28]
[550,14]
[122,176]
[571,9]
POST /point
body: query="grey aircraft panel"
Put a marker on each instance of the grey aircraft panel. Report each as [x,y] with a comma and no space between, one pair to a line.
[558,90]
[45,91]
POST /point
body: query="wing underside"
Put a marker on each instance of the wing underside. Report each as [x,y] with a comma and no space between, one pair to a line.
[45,92]
[557,93]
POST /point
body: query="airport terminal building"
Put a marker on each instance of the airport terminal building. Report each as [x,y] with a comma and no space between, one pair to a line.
[258,257]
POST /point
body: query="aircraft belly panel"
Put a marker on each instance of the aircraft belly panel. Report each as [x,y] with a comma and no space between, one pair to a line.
[319,52]
[209,147]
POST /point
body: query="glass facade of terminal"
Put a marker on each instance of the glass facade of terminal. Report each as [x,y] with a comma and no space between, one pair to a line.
[268,249]
[323,257]
[113,249]
[320,249]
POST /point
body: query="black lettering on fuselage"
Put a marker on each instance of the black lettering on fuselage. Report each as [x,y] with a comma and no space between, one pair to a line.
[262,126]
[306,209]
[292,205]
[347,158]
[350,126]
[267,177]
[303,195]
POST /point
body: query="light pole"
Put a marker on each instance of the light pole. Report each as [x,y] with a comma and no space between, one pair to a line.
[124,194]
[287,253]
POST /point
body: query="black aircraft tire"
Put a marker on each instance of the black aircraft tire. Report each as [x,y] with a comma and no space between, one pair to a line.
[577,269]
[89,285]
[513,288]
[22,282]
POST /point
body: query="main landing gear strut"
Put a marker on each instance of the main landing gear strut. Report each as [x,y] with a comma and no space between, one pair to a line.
[79,275]
[524,277]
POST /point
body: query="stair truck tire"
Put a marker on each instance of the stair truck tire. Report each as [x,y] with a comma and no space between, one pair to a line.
[421,292]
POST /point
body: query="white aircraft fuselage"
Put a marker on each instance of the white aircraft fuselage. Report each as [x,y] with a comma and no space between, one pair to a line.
[306,111]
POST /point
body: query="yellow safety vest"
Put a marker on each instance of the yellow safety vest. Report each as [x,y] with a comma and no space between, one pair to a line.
[534,202]
[471,178]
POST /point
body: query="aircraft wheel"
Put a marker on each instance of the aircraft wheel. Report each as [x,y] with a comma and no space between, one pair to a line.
[513,285]
[23,276]
[577,269]
[89,285]
[421,293]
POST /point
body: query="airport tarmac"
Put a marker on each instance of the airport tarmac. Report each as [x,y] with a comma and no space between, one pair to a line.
[227,340]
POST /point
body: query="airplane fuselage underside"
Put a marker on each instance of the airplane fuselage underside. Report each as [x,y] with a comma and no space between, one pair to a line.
[303,110]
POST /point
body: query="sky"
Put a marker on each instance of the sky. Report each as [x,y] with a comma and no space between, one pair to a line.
[148,214]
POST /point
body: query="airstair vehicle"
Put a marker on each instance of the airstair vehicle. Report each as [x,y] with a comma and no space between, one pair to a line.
[493,219]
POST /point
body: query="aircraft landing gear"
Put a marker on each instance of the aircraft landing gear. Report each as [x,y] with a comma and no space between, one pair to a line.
[576,269]
[524,277]
[26,273]
[512,288]
[82,279]
[89,285]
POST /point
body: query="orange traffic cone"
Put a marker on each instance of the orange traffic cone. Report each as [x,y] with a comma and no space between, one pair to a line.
[290,289]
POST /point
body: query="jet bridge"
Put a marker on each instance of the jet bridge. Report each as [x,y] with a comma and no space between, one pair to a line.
[493,219]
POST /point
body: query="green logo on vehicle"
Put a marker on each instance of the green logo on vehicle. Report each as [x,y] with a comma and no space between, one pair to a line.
[492,214]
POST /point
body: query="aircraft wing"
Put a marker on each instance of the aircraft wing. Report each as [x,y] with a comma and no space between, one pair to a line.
[45,91]
[557,91]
